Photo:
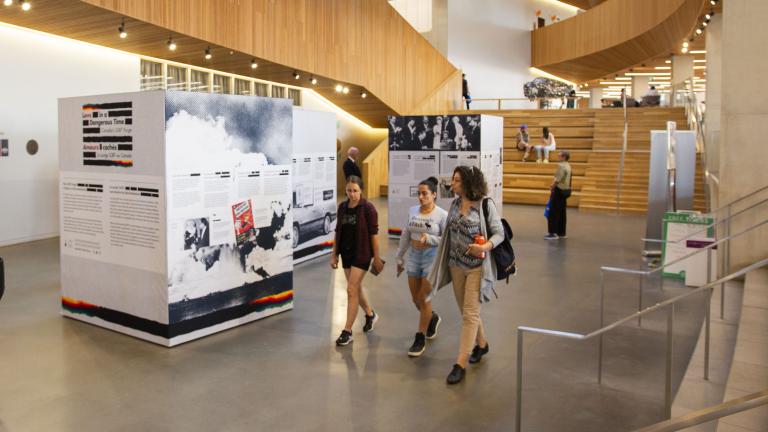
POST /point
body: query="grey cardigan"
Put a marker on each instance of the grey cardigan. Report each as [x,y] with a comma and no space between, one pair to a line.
[440,276]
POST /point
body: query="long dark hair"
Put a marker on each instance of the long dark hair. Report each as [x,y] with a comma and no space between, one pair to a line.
[546,132]
[472,182]
[431,183]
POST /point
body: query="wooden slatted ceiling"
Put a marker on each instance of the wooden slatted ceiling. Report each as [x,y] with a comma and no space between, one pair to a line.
[613,36]
[364,44]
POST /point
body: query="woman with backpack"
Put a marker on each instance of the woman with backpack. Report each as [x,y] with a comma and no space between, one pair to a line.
[357,242]
[420,237]
[464,259]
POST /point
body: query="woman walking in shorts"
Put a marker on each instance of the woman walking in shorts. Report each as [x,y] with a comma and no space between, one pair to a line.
[420,237]
[357,242]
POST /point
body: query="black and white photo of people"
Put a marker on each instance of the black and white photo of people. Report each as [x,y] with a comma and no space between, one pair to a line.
[196,234]
[449,132]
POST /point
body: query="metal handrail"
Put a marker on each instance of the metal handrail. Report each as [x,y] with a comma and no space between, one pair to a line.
[733,406]
[536,99]
[645,273]
[707,227]
[683,258]
[670,304]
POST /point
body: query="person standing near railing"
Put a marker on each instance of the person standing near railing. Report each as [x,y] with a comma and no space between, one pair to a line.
[547,145]
[561,190]
[465,90]
[464,259]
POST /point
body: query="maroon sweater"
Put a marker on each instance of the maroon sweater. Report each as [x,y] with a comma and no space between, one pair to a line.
[367,226]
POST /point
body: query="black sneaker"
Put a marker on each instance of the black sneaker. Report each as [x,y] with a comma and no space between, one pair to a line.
[478,353]
[456,375]
[370,322]
[419,345]
[344,339]
[434,323]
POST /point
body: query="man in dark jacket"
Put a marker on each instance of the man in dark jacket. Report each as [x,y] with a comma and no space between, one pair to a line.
[350,166]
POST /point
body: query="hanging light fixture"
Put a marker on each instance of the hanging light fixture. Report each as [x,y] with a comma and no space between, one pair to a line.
[121,29]
[208,54]
[171,44]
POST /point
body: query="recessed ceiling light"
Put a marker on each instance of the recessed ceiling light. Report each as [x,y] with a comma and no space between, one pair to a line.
[339,88]
[25,5]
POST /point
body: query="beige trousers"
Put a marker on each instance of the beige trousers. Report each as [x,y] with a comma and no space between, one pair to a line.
[466,287]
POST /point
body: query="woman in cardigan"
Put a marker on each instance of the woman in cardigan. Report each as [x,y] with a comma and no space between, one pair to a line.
[467,263]
[357,242]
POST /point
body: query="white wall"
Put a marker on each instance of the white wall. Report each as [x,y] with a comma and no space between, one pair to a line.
[350,132]
[490,40]
[37,70]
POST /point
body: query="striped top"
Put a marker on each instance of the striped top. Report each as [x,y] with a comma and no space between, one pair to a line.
[463,231]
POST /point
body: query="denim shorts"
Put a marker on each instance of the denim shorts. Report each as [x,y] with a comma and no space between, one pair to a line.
[419,262]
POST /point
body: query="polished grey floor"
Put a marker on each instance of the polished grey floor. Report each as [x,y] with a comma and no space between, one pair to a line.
[284,373]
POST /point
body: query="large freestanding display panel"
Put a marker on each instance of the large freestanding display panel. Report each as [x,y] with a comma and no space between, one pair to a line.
[175,212]
[314,183]
[424,146]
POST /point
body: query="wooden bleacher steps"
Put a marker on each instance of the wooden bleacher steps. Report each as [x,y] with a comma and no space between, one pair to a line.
[585,133]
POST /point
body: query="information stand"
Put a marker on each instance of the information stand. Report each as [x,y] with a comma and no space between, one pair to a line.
[175,212]
[680,225]
[432,146]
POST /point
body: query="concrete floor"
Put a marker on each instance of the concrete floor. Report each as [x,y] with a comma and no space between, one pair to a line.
[284,373]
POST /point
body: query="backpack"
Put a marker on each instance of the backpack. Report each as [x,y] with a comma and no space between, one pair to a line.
[503,254]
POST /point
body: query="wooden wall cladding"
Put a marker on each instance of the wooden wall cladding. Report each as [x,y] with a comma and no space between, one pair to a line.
[613,36]
[364,44]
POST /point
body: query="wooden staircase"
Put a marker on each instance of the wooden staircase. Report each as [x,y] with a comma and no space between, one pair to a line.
[584,132]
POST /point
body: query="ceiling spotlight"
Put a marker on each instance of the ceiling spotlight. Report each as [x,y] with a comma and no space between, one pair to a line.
[698,31]
[254,65]
[121,29]
[713,2]
[339,88]
[363,95]
[296,75]
[208,54]
[685,44]
[171,44]
[708,16]
[684,50]
[7,2]
[705,23]
[345,90]
[313,80]
[25,5]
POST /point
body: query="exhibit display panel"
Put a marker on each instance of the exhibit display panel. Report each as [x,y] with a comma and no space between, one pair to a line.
[432,146]
[314,183]
[175,212]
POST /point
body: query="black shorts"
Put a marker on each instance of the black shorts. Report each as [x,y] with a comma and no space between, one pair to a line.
[348,261]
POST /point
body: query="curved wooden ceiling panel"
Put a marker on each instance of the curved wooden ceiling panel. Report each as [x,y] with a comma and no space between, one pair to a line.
[363,43]
[615,35]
